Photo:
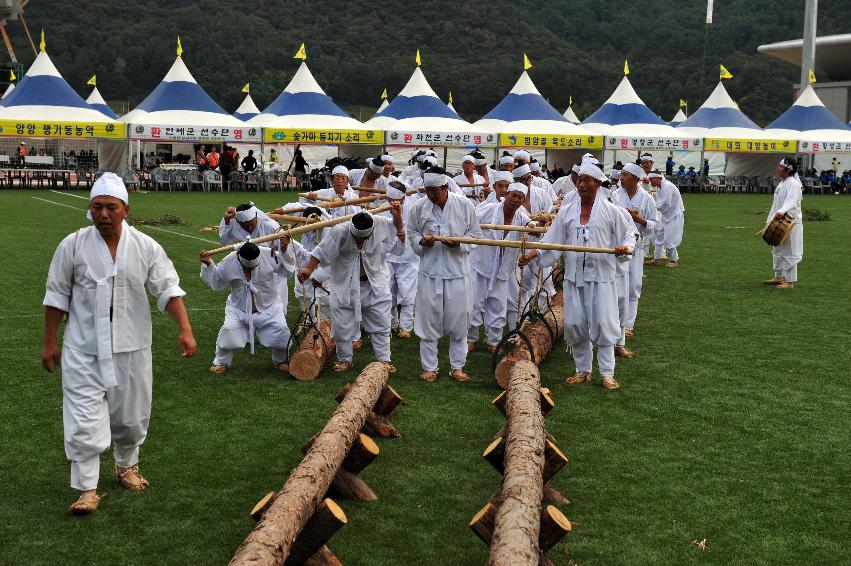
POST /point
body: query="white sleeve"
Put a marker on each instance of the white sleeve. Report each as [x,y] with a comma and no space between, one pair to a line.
[163,281]
[60,277]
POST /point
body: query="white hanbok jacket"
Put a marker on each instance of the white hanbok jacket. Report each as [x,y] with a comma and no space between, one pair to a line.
[494,262]
[457,218]
[232,232]
[788,197]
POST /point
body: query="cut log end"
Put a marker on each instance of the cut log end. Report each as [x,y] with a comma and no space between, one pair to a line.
[363,452]
[325,521]
[305,366]
[495,454]
[503,370]
[554,525]
[262,505]
[554,460]
[482,523]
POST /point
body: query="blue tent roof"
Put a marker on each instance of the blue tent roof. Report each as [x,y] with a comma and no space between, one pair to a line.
[417,100]
[96,101]
[524,102]
[808,113]
[179,91]
[719,111]
[303,95]
[623,107]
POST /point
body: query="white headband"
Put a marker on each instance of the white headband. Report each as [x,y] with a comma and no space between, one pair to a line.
[434,179]
[340,170]
[374,167]
[647,157]
[430,159]
[246,215]
[506,159]
[590,159]
[502,176]
[534,167]
[109,185]
[480,161]
[575,169]
[357,233]
[387,158]
[517,188]
[249,263]
[421,157]
[521,171]
[522,154]
[467,158]
[634,170]
[394,194]
[615,174]
[592,171]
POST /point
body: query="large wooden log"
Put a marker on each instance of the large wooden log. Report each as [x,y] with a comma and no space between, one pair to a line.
[325,521]
[270,543]
[547,403]
[347,483]
[540,338]
[518,518]
[313,352]
[554,459]
[378,422]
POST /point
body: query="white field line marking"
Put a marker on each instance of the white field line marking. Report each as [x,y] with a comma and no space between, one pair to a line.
[151,227]
[68,194]
[39,315]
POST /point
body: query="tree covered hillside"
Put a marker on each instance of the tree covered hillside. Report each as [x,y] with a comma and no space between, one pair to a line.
[357,48]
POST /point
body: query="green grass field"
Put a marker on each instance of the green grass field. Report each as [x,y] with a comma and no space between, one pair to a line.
[732,424]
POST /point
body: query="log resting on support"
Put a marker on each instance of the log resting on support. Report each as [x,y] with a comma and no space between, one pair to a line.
[539,336]
[313,352]
[347,483]
[518,517]
[325,521]
[378,422]
[270,543]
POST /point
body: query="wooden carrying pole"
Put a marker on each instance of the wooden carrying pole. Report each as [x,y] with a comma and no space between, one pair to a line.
[335,204]
[296,231]
[527,245]
[271,541]
[513,228]
[518,517]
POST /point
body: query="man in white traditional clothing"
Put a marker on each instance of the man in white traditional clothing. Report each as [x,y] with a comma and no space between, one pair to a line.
[642,207]
[253,305]
[339,189]
[539,180]
[356,252]
[316,290]
[669,202]
[656,236]
[481,164]
[566,185]
[403,268]
[98,278]
[506,162]
[590,296]
[246,222]
[389,166]
[471,183]
[493,267]
[787,200]
[413,168]
[500,181]
[444,293]
[370,177]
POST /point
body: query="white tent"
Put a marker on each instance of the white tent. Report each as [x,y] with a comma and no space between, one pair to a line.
[571,116]
[96,101]
[247,110]
[9,89]
[678,118]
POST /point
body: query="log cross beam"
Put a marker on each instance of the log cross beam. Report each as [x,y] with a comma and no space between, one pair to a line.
[273,538]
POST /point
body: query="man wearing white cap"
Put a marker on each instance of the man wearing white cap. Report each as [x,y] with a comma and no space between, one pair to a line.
[370,177]
[98,278]
[355,251]
[500,181]
[389,167]
[787,200]
[506,162]
[480,162]
[468,176]
[642,208]
[493,267]
[253,305]
[646,162]
[403,269]
[340,188]
[590,296]
[672,219]
[444,294]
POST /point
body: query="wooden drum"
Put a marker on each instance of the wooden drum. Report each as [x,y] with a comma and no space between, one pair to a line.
[778,230]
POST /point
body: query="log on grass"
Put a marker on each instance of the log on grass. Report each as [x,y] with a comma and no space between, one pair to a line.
[325,521]
[313,353]
[547,403]
[347,483]
[518,517]
[540,338]
[554,459]
[482,523]
[554,525]
[378,422]
[271,540]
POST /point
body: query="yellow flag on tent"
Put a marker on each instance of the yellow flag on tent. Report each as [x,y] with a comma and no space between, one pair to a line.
[450,97]
[41,44]
[12,76]
[570,101]
[683,103]
[247,88]
[419,59]
[725,74]
[93,81]
[179,47]
[812,77]
[301,53]
[384,94]
[527,64]
[625,67]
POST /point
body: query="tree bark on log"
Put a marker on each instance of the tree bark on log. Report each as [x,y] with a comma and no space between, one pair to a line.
[518,518]
[325,521]
[547,403]
[313,352]
[270,542]
[378,424]
[347,483]
[540,338]
[483,521]
[323,557]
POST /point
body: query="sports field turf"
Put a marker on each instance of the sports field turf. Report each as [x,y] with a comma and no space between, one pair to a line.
[732,424]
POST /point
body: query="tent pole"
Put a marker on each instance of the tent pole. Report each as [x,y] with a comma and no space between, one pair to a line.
[445,150]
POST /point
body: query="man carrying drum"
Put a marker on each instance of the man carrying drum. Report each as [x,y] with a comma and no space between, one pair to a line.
[787,200]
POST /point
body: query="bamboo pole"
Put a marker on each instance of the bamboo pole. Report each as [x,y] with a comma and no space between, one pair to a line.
[370,190]
[314,196]
[335,204]
[291,218]
[526,245]
[296,231]
[513,228]
[467,185]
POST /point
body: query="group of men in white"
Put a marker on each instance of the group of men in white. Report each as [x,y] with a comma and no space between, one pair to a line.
[397,268]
